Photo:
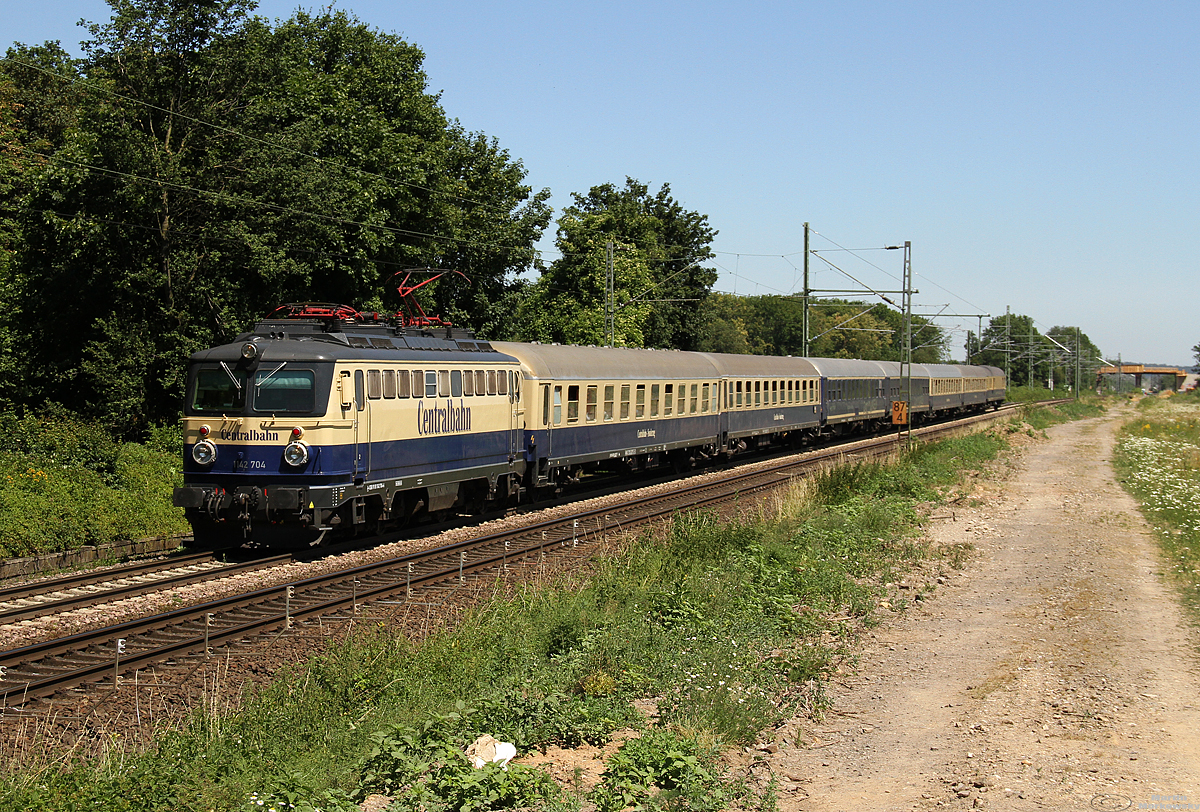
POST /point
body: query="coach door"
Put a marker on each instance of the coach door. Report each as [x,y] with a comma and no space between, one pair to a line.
[724,402]
[547,426]
[362,428]
[516,420]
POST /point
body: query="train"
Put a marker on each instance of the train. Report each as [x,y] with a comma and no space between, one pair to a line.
[324,421]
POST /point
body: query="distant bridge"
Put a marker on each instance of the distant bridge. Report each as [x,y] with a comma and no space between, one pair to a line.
[1138,370]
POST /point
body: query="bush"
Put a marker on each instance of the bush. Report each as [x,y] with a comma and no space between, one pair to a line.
[65,483]
[661,770]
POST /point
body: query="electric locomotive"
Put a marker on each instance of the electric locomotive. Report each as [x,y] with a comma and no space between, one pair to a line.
[322,418]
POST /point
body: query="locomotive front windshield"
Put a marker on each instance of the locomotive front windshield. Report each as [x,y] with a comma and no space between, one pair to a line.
[219,389]
[284,391]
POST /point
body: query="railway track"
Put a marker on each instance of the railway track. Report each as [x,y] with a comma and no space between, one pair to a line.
[95,587]
[101,656]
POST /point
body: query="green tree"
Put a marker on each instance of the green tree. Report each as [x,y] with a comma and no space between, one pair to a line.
[567,303]
[1012,342]
[839,329]
[218,165]
[724,317]
[773,325]
[673,243]
[1062,354]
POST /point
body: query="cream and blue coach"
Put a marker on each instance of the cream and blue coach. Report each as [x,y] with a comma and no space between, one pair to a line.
[590,408]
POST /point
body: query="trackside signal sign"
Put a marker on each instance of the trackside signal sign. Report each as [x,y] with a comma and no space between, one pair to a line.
[899,412]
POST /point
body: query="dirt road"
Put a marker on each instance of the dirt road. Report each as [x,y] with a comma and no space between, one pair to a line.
[1055,672]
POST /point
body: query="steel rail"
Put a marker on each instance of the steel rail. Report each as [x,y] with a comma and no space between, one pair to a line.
[123,591]
[312,595]
[75,580]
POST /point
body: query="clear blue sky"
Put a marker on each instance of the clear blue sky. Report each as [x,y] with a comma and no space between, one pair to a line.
[1039,155]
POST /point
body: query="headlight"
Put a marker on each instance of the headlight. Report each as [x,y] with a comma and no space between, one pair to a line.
[296,454]
[204,452]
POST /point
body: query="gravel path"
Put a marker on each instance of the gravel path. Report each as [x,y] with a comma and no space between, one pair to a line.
[1055,672]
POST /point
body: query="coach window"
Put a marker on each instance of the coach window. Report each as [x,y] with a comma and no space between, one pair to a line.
[431,383]
[546,405]
[758,393]
[491,381]
[389,383]
[557,405]
[738,387]
[704,399]
[590,409]
[572,404]
[403,383]
[693,404]
[443,389]
[608,402]
[456,388]
[654,390]
[668,398]
[480,382]
[469,383]
[624,401]
[360,394]
[374,384]
[639,401]
[502,382]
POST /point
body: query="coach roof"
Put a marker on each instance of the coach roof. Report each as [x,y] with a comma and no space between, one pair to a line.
[572,363]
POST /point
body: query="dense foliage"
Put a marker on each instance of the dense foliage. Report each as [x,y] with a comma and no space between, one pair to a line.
[773,325]
[660,286]
[65,483]
[200,165]
[1012,342]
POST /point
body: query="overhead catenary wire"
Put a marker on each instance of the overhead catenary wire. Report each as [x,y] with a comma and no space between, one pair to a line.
[225,196]
[240,134]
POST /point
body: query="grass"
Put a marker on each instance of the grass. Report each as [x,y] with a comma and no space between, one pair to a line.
[1042,417]
[729,628]
[1158,460]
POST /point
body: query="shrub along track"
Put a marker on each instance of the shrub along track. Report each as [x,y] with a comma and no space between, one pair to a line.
[275,626]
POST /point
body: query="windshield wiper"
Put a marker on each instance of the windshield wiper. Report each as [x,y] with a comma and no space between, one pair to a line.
[261,381]
[232,377]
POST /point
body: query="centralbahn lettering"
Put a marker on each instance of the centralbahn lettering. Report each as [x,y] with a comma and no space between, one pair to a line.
[446,419]
[252,436]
